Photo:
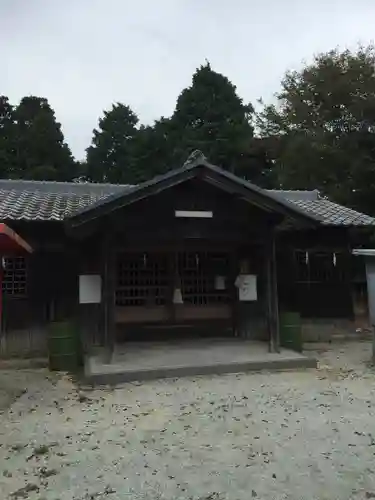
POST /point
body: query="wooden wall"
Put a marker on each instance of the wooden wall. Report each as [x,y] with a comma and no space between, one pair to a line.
[58,260]
[315,273]
[51,293]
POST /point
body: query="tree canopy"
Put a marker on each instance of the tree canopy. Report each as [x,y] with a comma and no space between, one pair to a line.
[153,151]
[110,157]
[322,127]
[32,144]
[8,159]
[209,116]
[40,147]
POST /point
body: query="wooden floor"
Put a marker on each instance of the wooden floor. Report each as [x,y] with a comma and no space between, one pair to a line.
[151,360]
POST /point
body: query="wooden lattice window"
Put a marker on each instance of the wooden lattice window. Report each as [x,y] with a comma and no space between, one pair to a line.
[199,273]
[142,279]
[320,266]
[15,276]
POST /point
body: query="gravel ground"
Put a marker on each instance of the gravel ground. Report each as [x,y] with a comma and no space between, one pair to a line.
[14,382]
[290,435]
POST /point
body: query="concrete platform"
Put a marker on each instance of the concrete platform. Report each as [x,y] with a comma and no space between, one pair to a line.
[135,361]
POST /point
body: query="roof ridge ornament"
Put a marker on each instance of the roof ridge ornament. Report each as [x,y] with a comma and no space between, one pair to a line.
[194,157]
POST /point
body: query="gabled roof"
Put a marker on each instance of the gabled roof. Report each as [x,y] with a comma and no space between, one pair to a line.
[58,201]
[209,173]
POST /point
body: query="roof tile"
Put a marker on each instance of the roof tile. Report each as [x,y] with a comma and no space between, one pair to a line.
[53,201]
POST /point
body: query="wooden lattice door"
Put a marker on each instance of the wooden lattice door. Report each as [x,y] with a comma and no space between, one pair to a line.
[142,279]
[146,282]
[204,277]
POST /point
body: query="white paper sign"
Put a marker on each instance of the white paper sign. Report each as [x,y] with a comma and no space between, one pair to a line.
[247,287]
[90,289]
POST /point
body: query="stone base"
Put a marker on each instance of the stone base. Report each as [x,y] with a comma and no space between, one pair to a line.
[153,360]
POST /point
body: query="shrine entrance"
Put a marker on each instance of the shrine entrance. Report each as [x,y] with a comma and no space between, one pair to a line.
[161,294]
[194,249]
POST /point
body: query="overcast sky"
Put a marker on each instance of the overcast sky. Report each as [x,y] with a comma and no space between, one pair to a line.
[83,55]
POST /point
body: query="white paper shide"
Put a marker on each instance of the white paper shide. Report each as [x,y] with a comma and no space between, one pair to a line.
[90,289]
[247,287]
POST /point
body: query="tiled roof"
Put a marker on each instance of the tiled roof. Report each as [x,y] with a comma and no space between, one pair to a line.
[55,201]
[49,201]
[331,213]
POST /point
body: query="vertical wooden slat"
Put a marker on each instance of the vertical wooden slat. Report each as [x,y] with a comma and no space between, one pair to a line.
[275,296]
[267,262]
[234,302]
[272,295]
[108,302]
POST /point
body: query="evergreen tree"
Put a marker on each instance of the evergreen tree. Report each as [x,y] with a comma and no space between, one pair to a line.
[40,148]
[110,157]
[7,138]
[211,117]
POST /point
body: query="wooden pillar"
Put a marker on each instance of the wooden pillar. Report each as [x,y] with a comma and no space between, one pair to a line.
[272,300]
[234,259]
[108,295]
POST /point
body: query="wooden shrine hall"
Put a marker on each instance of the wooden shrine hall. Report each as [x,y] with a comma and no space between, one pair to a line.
[195,253]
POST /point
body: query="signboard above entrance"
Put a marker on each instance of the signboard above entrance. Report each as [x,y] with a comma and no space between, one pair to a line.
[195,214]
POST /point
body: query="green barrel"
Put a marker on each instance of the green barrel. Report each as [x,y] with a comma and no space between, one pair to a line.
[291,331]
[63,346]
